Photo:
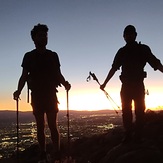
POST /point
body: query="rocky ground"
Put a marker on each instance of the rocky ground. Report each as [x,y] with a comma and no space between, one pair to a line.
[107,148]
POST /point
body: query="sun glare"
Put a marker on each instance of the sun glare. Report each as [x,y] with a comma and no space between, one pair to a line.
[92,100]
[154,101]
[88,99]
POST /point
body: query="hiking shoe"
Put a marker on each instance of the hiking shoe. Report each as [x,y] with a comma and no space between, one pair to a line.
[127,139]
[56,157]
[138,140]
[44,158]
[42,161]
[138,137]
[56,161]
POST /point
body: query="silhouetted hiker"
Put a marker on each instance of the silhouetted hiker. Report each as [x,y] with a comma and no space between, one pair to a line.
[41,68]
[132,59]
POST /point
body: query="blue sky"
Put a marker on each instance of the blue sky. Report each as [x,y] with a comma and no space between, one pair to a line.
[86,34]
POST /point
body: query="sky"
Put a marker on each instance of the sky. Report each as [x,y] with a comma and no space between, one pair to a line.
[86,34]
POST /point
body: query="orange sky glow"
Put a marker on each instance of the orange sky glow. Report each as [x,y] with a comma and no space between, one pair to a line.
[91,98]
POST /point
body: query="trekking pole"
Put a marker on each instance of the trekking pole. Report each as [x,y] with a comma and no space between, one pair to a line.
[27,94]
[106,93]
[68,122]
[17,128]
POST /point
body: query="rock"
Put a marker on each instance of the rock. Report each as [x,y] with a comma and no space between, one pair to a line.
[145,152]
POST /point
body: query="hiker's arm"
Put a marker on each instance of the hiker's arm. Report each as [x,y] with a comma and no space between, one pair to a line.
[21,83]
[160,68]
[109,76]
[65,83]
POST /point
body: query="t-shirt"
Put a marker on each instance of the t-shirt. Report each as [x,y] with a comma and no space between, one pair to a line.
[44,70]
[132,59]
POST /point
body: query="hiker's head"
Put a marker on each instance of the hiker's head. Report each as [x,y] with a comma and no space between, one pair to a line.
[130,33]
[39,34]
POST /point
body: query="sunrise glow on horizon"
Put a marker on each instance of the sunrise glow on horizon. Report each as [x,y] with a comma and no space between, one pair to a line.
[92,99]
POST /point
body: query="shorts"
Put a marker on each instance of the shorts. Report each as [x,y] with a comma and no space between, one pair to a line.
[44,102]
[133,91]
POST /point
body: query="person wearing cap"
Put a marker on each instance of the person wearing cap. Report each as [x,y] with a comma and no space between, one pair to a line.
[132,59]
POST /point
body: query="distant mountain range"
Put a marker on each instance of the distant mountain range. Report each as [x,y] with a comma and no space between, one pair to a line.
[6,115]
[12,115]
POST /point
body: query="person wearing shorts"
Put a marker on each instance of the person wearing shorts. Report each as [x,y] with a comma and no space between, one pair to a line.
[41,71]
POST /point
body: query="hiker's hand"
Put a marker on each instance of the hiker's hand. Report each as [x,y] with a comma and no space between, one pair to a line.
[67,86]
[16,95]
[102,86]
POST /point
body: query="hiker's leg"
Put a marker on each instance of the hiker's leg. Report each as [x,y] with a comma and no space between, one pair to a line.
[55,137]
[127,116]
[140,114]
[52,123]
[139,99]
[40,121]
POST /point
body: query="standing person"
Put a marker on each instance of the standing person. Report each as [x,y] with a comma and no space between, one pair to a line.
[132,59]
[41,68]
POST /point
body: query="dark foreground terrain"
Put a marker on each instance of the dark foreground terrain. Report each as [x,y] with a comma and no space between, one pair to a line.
[107,147]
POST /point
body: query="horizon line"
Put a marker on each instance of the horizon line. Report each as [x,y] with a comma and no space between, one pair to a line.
[152,109]
[61,110]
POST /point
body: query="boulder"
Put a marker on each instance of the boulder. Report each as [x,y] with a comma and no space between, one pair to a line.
[145,152]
